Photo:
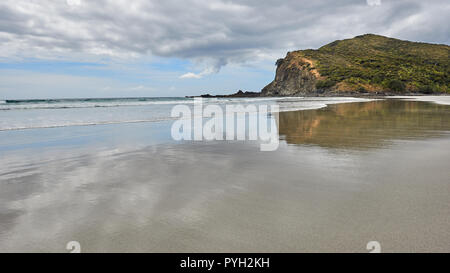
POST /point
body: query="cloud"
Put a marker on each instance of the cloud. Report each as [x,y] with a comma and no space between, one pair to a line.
[209,33]
[211,67]
[191,75]
[139,88]
[73,2]
[373,2]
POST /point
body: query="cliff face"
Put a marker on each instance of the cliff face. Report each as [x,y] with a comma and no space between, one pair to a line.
[295,75]
[366,64]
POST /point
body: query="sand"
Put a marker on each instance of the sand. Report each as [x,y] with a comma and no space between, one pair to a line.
[344,175]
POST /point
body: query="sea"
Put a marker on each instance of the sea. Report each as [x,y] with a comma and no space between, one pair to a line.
[50,113]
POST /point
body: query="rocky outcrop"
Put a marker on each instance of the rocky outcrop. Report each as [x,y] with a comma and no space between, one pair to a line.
[366,64]
[295,76]
[238,94]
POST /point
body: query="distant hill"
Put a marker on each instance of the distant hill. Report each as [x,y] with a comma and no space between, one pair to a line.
[366,64]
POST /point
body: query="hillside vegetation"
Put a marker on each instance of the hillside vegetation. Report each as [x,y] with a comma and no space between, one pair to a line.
[371,63]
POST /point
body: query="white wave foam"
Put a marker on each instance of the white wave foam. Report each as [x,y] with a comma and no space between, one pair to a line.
[445,100]
[62,105]
[19,105]
[53,120]
[82,124]
[87,104]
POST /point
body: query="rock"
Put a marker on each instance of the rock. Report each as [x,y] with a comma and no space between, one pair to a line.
[366,64]
[294,77]
[239,94]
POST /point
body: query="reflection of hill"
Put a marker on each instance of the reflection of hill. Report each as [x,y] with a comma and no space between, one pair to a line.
[364,125]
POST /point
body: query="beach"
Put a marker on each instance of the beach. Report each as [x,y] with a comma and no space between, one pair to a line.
[113,179]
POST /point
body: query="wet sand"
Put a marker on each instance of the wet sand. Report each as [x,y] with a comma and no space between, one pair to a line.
[343,176]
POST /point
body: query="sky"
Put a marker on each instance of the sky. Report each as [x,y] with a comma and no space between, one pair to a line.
[154,48]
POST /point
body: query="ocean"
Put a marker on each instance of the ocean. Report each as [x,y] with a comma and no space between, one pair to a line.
[49,113]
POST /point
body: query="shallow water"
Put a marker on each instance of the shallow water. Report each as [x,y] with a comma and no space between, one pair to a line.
[35,114]
[343,175]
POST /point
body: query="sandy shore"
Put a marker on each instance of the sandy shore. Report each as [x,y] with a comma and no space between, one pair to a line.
[344,175]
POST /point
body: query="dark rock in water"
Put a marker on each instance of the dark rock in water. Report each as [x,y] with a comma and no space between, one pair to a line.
[239,94]
[206,96]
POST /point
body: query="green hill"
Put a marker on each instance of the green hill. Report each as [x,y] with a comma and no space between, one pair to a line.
[366,63]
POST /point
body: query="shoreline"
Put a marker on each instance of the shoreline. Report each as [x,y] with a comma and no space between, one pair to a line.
[317,102]
[325,94]
[335,183]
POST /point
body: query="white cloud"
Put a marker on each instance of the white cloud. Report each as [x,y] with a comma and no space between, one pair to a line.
[373,2]
[140,88]
[73,2]
[211,34]
[191,75]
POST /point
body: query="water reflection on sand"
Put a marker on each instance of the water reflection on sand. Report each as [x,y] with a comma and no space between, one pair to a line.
[365,125]
[345,175]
